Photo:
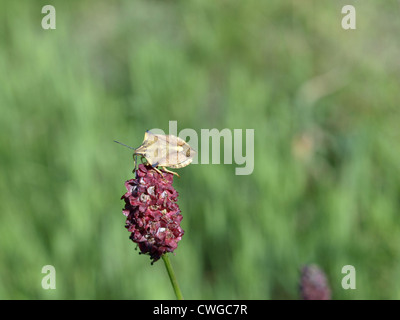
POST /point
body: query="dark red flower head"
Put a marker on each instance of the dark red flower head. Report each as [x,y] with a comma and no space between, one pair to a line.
[313,284]
[153,216]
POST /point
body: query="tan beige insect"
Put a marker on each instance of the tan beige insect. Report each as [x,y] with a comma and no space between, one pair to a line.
[163,151]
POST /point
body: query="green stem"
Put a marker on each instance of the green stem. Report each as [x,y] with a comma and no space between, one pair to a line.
[172,277]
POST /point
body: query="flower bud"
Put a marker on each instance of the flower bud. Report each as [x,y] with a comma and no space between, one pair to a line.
[153,216]
[313,284]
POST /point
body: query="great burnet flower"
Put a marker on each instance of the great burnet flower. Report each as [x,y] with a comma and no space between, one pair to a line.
[153,216]
[313,284]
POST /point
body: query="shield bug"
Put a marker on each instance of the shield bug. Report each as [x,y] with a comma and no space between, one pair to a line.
[163,151]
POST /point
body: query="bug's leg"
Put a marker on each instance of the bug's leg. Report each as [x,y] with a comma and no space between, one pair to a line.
[159,171]
[169,171]
[162,174]
[134,163]
[145,160]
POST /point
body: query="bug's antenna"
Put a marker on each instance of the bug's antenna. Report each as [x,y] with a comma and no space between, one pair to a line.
[124,145]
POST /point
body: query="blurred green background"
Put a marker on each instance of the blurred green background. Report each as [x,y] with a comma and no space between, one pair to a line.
[323,103]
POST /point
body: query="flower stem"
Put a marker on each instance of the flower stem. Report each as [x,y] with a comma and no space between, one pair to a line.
[172,277]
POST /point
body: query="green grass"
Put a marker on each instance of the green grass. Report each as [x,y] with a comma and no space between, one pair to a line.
[323,103]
